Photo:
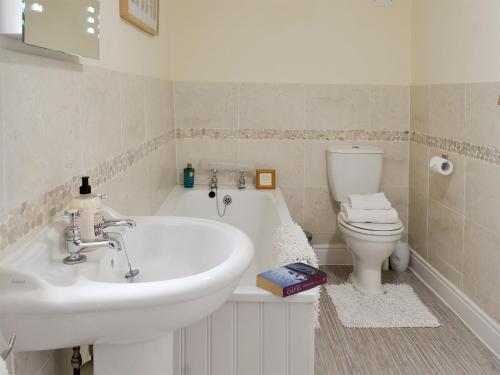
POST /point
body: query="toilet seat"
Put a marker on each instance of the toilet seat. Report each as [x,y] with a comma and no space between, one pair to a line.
[373,229]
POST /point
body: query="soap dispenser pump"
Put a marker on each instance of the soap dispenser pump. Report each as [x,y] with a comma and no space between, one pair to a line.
[89,207]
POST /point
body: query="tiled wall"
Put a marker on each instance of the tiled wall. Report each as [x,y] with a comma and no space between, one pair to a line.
[454,221]
[288,127]
[59,120]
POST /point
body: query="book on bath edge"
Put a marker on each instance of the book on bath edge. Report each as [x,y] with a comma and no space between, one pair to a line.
[290,279]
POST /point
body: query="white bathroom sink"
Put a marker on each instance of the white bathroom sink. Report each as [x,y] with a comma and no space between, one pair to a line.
[188,268]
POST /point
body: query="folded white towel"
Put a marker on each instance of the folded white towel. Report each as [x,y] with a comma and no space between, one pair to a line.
[377,201]
[369,216]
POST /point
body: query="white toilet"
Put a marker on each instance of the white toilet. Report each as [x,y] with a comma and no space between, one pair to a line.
[358,170]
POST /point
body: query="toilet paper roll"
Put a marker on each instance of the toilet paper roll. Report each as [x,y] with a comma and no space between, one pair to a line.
[441,165]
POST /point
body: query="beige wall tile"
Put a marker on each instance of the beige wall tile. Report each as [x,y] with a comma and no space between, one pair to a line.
[51,367]
[337,107]
[482,198]
[162,174]
[419,168]
[294,198]
[101,121]
[132,110]
[446,239]
[168,104]
[390,107]
[271,106]
[483,114]
[446,270]
[41,125]
[315,163]
[28,363]
[449,190]
[482,268]
[206,105]
[61,365]
[417,222]
[320,211]
[116,192]
[419,109]
[287,157]
[138,185]
[195,150]
[395,171]
[143,187]
[447,111]
[154,105]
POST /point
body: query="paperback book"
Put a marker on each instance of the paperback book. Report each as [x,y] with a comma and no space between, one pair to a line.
[291,279]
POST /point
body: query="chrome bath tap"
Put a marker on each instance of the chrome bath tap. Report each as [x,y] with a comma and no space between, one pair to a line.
[213,182]
[242,182]
[75,244]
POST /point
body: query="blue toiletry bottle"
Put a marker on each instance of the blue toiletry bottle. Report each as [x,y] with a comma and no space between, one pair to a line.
[189,176]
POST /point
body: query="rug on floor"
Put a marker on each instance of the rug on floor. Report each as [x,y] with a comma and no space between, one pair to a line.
[399,307]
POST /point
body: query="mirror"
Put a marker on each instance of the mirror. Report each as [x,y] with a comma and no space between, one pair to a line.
[66,26]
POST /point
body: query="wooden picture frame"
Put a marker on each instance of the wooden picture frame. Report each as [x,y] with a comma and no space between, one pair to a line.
[144,14]
[265,179]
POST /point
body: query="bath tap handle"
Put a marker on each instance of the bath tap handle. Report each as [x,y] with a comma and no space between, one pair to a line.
[213,183]
[242,181]
[73,216]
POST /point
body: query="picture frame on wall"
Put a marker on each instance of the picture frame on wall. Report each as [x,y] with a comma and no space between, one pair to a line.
[144,14]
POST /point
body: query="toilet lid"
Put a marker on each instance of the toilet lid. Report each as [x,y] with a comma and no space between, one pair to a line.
[376,229]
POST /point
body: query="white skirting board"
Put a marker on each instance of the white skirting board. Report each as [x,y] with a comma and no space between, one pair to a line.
[332,254]
[249,338]
[482,325]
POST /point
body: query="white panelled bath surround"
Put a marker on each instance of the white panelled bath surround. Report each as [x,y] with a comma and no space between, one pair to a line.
[254,331]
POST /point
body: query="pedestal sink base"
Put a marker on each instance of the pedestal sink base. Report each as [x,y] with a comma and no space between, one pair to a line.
[146,358]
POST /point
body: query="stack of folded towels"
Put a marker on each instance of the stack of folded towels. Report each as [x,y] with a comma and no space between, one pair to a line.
[370,208]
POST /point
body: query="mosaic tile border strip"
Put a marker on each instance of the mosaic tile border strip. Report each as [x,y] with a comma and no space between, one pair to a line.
[43,209]
[483,153]
[294,134]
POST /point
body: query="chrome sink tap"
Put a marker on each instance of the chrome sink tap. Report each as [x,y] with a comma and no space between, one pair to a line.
[129,223]
[75,244]
[100,233]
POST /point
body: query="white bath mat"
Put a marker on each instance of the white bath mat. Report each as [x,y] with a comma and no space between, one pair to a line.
[399,307]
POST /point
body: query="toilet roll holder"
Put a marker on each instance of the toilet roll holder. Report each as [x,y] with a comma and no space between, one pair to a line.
[441,165]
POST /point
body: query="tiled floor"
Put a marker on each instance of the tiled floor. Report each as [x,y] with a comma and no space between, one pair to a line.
[450,349]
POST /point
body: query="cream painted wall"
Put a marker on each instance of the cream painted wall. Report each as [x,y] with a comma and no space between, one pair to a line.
[456,41]
[310,41]
[127,49]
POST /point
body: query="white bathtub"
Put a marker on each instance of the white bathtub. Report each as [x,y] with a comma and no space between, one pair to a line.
[255,332]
